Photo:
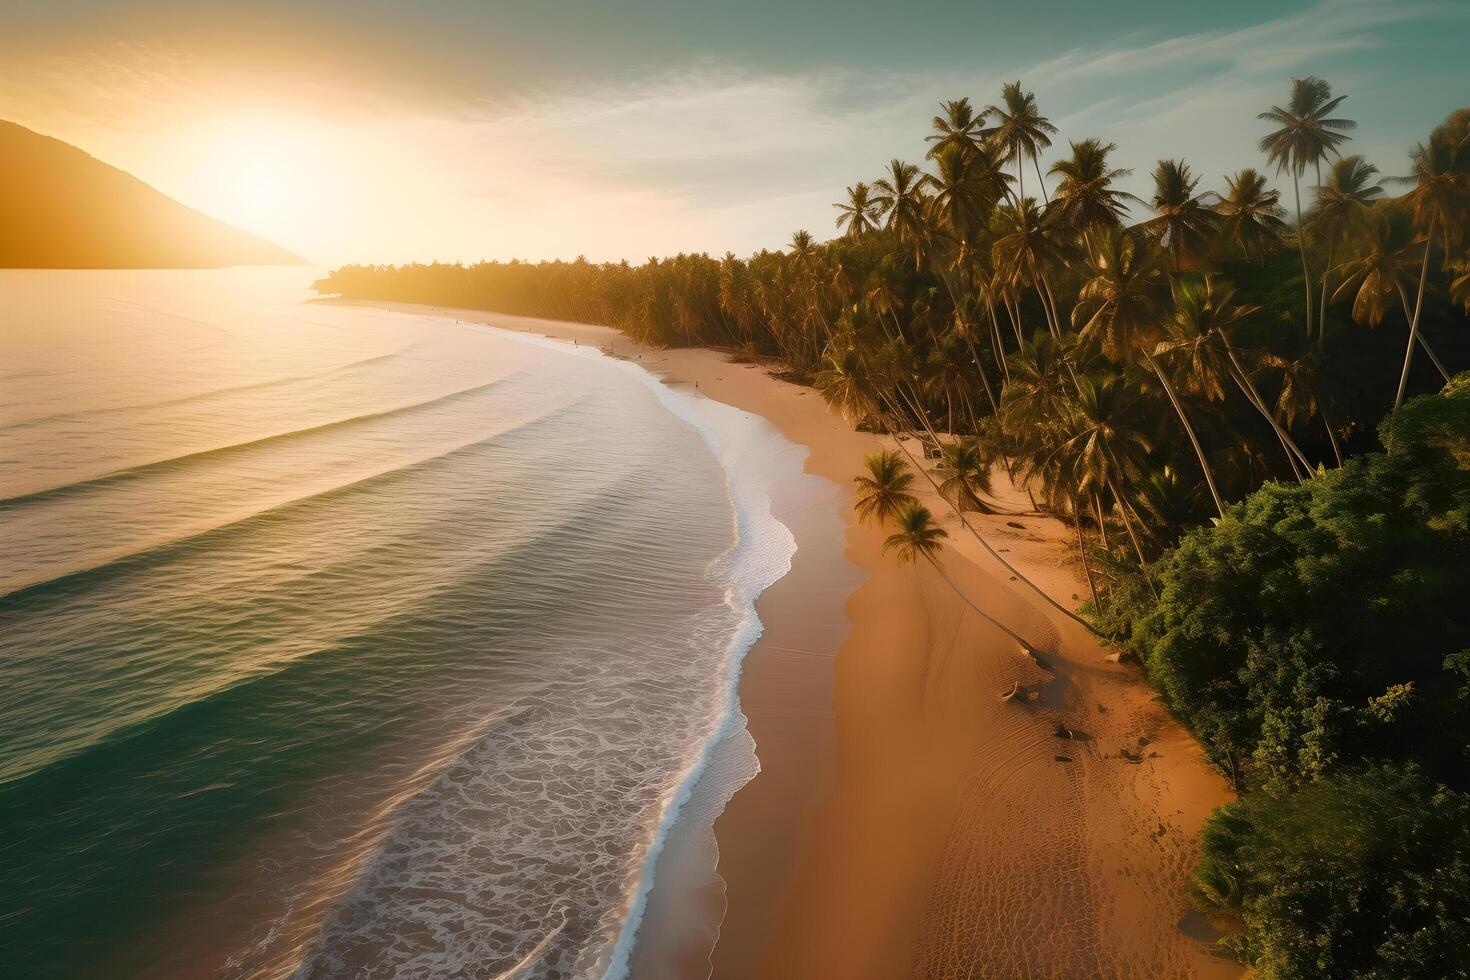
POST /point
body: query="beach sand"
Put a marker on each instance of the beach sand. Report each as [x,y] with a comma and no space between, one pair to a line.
[907,821]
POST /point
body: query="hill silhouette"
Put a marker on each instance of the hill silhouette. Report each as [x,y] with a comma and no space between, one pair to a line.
[61,208]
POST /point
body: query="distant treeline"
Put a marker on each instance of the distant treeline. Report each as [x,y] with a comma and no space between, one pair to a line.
[1218,398]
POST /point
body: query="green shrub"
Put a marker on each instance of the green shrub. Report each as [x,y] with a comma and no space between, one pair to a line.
[1357,875]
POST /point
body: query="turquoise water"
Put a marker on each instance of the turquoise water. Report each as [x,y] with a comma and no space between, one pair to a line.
[340,643]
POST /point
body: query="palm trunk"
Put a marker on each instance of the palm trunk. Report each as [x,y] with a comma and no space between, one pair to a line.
[1014,312]
[1331,436]
[1040,180]
[1082,553]
[1102,527]
[1052,300]
[1189,430]
[1322,306]
[1000,349]
[1301,241]
[1413,332]
[1030,650]
[1051,324]
[1404,299]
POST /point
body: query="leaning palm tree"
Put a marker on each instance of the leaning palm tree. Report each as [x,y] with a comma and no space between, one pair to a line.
[859,215]
[1342,207]
[1251,213]
[1118,311]
[1086,197]
[959,127]
[1184,224]
[918,536]
[900,201]
[1307,135]
[1022,130]
[883,492]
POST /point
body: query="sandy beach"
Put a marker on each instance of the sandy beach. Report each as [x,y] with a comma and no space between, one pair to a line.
[908,821]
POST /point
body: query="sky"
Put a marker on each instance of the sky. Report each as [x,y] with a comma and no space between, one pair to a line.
[457,130]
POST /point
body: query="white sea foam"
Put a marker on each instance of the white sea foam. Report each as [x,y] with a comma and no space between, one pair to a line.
[742,443]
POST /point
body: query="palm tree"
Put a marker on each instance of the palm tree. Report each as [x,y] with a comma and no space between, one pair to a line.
[1117,310]
[1251,213]
[803,246]
[918,536]
[1022,130]
[1185,224]
[860,214]
[1086,197]
[966,471]
[1342,206]
[1306,136]
[1104,445]
[900,200]
[1439,201]
[966,186]
[1025,251]
[883,492]
[959,127]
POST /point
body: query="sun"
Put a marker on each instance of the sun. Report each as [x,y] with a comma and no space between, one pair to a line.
[257,176]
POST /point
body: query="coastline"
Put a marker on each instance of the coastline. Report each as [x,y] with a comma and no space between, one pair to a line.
[906,821]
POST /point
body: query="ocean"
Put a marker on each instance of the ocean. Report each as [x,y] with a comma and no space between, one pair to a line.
[340,642]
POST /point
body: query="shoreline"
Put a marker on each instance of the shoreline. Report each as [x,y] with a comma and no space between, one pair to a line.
[906,821]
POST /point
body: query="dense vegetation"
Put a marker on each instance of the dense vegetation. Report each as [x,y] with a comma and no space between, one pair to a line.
[1137,378]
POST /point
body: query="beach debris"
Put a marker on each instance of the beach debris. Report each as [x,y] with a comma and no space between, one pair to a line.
[1015,689]
[1129,755]
[1064,758]
[1016,524]
[1062,731]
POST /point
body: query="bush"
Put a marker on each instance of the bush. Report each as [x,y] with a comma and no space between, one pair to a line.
[1360,875]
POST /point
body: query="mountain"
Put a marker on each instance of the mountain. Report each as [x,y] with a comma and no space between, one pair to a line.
[63,209]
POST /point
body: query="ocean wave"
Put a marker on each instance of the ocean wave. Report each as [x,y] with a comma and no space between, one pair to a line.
[198,397]
[95,566]
[135,471]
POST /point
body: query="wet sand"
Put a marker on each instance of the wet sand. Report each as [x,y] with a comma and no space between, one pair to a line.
[906,820]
